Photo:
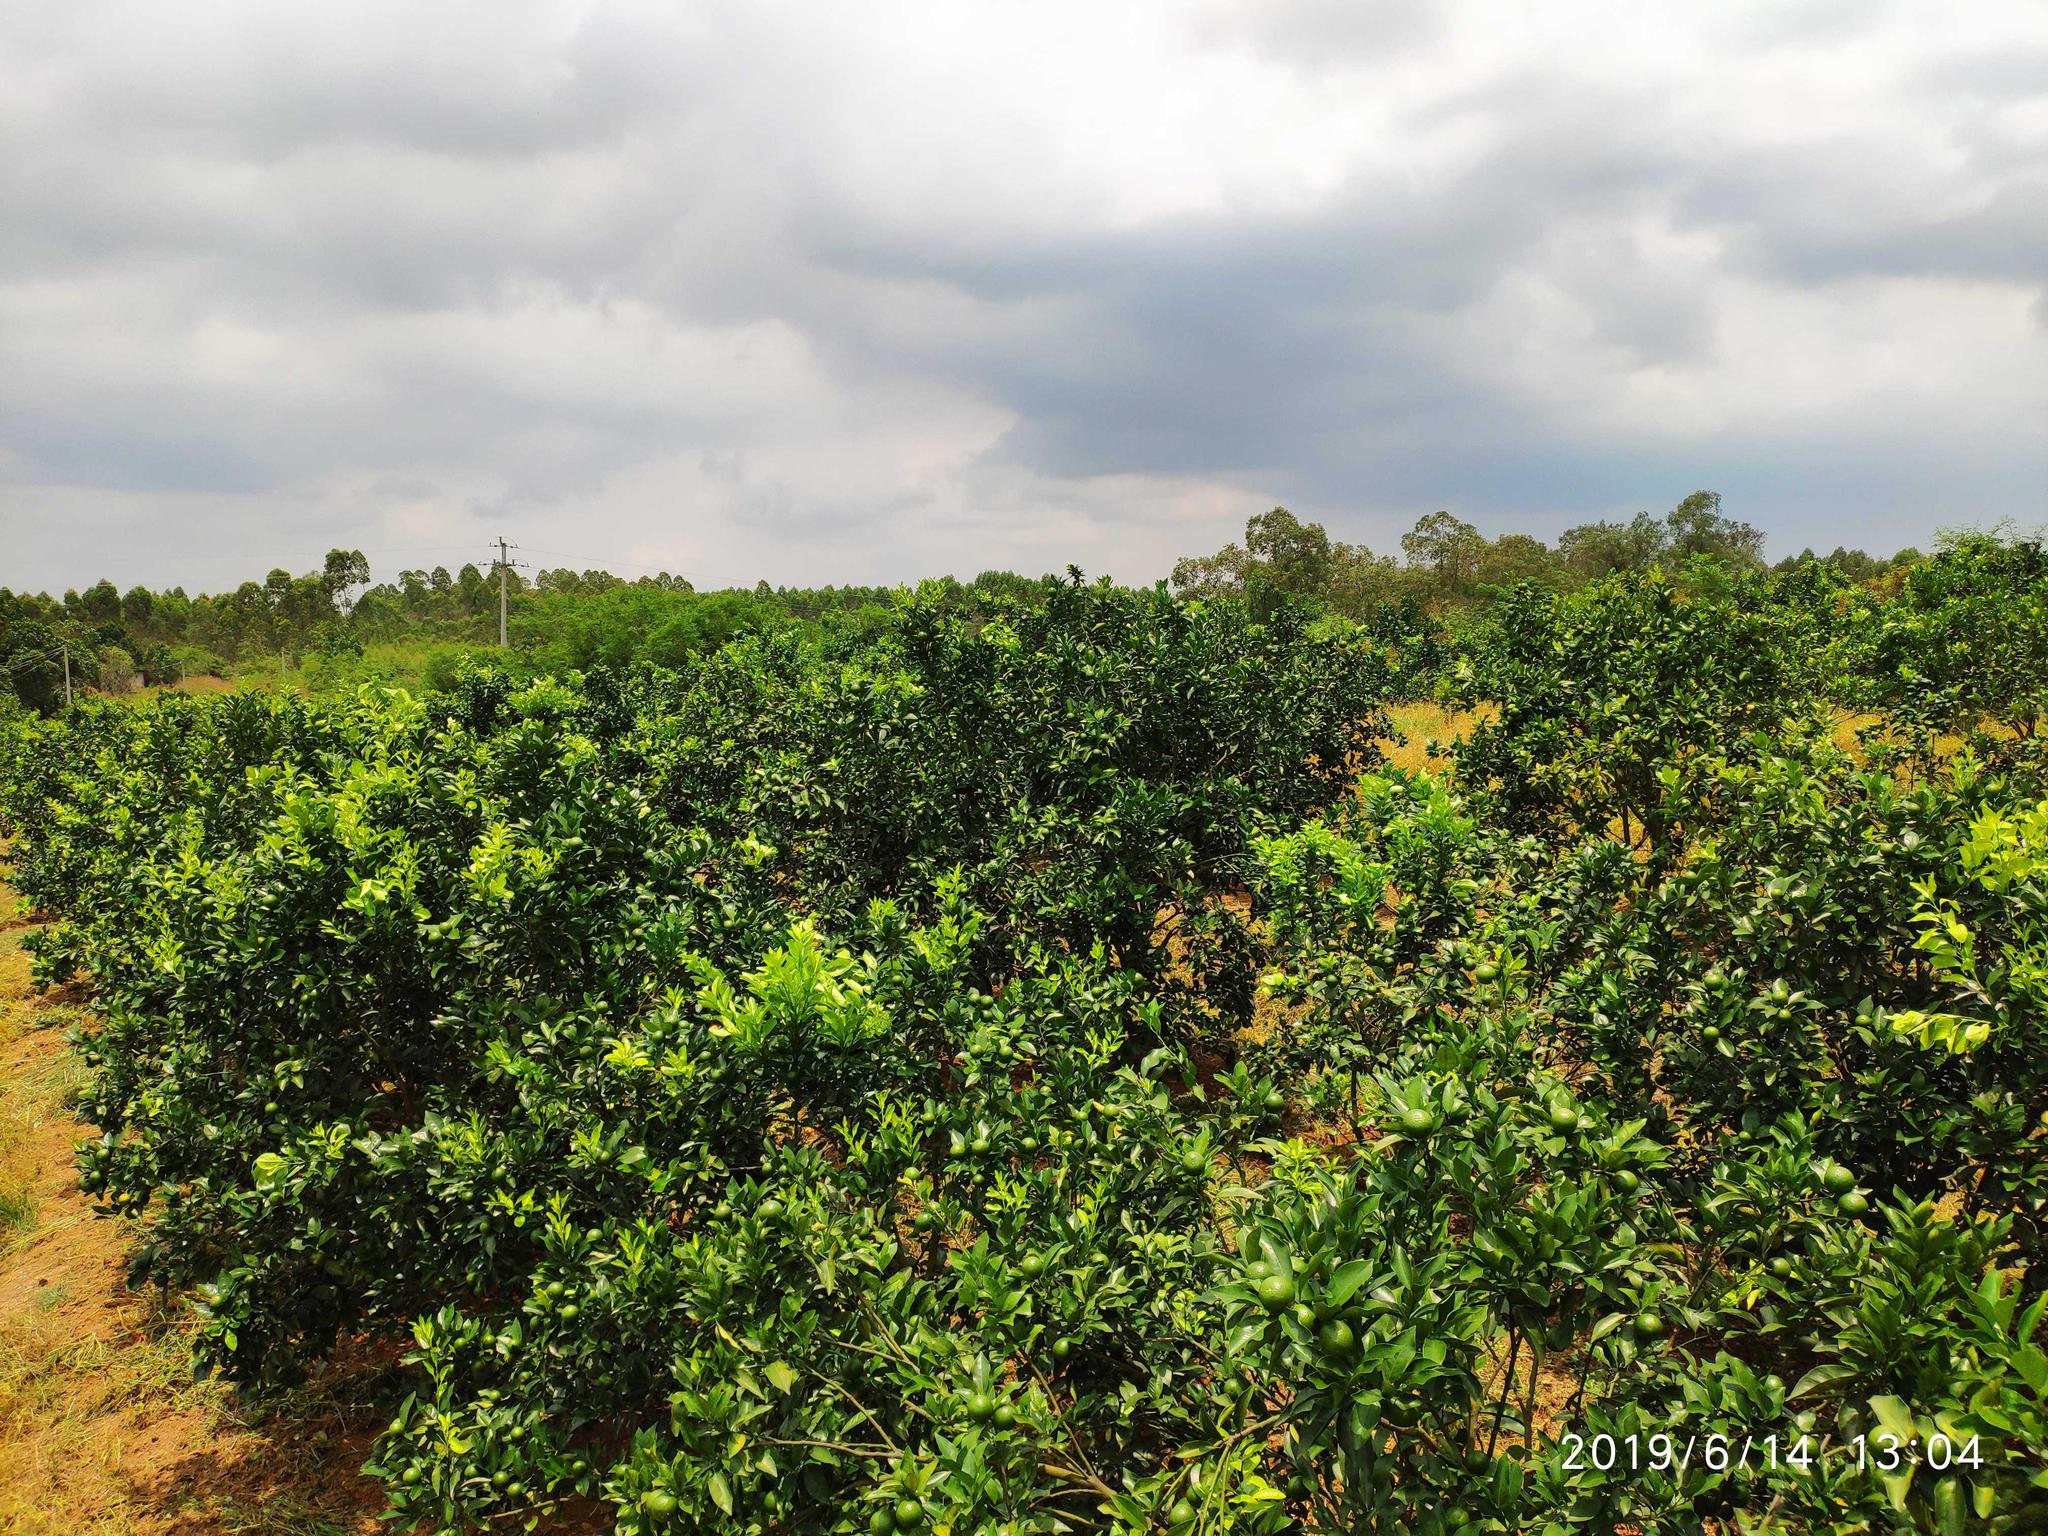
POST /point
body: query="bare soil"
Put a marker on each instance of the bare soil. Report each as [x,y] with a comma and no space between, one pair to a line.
[103,1431]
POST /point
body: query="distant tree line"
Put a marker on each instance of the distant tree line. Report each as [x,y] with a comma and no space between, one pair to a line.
[1448,566]
[562,619]
[118,641]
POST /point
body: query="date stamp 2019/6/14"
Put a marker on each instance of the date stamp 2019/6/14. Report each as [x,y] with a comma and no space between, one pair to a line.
[1798,1451]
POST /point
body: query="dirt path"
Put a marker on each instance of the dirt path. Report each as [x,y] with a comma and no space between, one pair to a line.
[102,1429]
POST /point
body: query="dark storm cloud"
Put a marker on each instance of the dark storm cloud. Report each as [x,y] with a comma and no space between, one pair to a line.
[1842,213]
[1213,344]
[758,287]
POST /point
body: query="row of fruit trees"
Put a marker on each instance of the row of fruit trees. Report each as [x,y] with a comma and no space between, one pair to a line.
[1037,1069]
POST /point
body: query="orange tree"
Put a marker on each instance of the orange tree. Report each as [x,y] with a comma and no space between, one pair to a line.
[1954,642]
[1605,702]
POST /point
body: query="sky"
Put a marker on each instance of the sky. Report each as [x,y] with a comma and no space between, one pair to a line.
[864,293]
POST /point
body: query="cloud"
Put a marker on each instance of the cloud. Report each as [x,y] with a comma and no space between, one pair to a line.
[755,289]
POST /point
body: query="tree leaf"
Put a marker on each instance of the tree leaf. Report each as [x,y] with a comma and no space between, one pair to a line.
[1345,1282]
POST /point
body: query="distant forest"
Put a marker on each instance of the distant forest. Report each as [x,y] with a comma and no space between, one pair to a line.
[335,625]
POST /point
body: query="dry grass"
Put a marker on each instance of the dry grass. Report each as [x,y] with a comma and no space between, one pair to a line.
[1425,725]
[203,683]
[103,1431]
[1848,724]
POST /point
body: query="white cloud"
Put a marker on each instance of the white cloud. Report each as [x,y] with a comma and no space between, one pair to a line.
[864,294]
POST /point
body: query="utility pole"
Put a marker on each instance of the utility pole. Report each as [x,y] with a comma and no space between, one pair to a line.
[504,565]
[67,674]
